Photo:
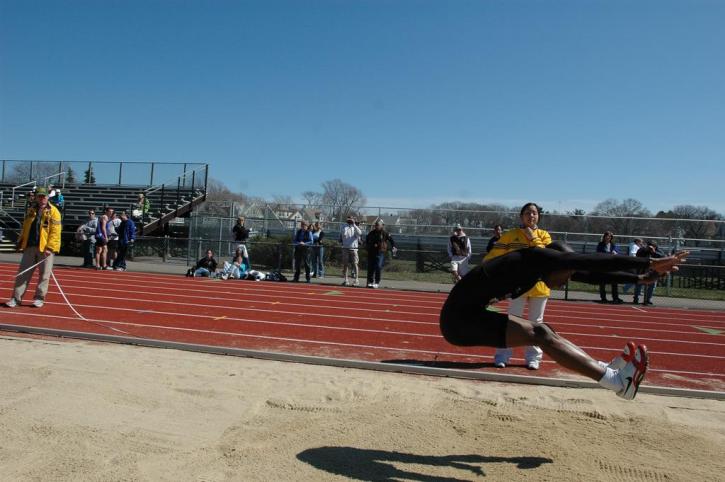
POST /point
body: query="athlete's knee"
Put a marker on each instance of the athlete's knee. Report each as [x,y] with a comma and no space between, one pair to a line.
[543,334]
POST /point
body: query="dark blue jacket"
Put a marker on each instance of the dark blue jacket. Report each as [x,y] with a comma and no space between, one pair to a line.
[127,235]
[303,236]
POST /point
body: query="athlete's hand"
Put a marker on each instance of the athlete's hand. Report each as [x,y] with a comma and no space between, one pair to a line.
[665,265]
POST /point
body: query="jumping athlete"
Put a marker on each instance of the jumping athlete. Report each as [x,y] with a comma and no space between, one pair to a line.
[465,321]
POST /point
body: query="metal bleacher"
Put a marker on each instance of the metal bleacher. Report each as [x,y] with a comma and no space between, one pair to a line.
[174,198]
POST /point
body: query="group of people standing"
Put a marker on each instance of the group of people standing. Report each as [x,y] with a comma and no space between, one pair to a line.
[637,248]
[376,242]
[107,239]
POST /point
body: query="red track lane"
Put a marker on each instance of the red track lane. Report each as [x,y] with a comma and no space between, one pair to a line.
[350,323]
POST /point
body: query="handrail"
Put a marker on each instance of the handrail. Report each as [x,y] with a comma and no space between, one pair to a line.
[12,192]
[157,187]
[47,178]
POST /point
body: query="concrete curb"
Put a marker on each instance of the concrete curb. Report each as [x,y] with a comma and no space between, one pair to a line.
[363,365]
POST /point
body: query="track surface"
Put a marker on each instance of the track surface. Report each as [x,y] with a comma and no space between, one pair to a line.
[687,347]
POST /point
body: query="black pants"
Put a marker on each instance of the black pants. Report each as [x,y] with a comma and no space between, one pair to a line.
[302,256]
[603,291]
[120,261]
[376,260]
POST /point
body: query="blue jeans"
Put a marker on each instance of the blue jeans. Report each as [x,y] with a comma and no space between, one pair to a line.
[202,272]
[317,261]
[648,292]
[375,266]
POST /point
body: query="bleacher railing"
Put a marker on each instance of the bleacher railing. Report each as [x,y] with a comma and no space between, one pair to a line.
[94,172]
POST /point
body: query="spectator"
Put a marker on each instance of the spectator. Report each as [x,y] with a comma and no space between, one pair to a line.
[634,246]
[632,251]
[140,209]
[238,267]
[377,243]
[112,232]
[39,241]
[606,245]
[241,233]
[88,231]
[126,237]
[206,266]
[649,251]
[102,239]
[57,199]
[350,239]
[302,242]
[459,252]
[497,230]
[318,251]
[529,235]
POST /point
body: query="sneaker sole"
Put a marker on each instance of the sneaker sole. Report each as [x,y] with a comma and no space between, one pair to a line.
[640,361]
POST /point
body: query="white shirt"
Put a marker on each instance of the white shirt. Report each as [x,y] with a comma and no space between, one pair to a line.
[350,235]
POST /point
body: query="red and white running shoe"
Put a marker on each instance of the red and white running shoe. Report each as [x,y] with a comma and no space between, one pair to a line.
[625,357]
[633,373]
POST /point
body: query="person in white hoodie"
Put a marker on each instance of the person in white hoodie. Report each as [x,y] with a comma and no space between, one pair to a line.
[350,239]
[459,252]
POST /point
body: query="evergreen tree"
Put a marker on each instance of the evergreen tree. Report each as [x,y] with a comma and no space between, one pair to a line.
[70,176]
[88,177]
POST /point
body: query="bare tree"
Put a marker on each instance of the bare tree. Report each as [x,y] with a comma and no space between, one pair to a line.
[619,212]
[341,199]
[312,199]
[702,225]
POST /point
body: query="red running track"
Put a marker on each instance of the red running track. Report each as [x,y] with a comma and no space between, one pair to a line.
[687,347]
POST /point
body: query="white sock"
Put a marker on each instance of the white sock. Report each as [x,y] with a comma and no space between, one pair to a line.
[602,364]
[610,380]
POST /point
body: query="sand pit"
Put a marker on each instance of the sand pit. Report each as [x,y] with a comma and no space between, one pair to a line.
[73,410]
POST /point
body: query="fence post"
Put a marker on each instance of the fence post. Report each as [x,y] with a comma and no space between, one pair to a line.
[3,178]
[419,260]
[120,172]
[165,248]
[279,255]
[151,181]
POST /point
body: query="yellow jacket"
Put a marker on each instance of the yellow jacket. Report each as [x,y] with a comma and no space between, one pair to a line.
[50,229]
[515,239]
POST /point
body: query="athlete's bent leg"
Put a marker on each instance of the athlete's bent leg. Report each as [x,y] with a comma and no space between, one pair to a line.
[522,332]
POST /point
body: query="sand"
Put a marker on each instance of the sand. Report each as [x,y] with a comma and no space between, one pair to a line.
[73,410]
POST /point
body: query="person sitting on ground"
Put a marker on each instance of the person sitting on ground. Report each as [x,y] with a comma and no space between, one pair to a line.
[238,267]
[466,321]
[206,266]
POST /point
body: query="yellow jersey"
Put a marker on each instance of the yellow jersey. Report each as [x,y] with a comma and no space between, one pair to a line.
[515,239]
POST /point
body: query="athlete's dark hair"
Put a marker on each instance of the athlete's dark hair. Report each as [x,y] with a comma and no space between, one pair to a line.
[539,209]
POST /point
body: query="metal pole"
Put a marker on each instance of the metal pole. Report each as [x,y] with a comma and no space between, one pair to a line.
[120,172]
[90,171]
[151,183]
[3,178]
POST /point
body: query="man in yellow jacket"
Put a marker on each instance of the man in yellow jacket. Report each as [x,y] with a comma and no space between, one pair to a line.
[40,242]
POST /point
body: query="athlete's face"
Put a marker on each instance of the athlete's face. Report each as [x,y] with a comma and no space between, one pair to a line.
[530,217]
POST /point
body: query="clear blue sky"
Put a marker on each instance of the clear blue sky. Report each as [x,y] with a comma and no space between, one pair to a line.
[415,102]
